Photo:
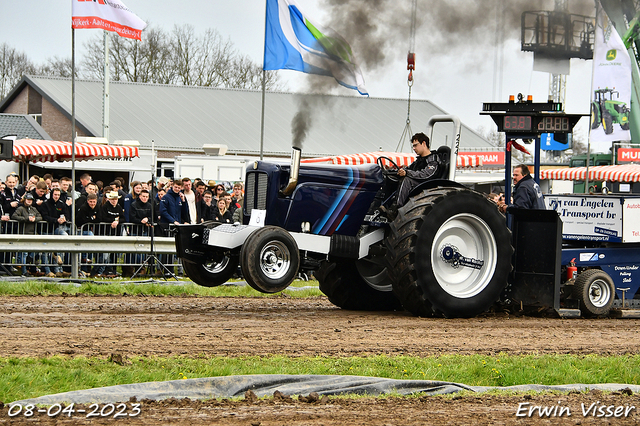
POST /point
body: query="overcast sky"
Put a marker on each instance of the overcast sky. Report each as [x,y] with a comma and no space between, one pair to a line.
[454,69]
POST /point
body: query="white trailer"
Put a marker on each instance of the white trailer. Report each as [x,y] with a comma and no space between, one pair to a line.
[207,167]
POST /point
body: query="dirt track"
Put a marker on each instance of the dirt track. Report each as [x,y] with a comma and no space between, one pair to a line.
[192,326]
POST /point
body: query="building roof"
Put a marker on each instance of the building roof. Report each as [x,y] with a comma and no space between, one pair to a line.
[183,118]
[23,126]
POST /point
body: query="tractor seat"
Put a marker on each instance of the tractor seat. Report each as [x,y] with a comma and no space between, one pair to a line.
[444,162]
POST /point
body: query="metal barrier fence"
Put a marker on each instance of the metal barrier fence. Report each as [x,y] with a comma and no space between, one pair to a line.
[104,250]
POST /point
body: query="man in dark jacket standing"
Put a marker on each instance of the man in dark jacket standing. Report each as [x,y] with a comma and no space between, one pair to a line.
[112,214]
[11,196]
[173,207]
[89,213]
[57,214]
[526,192]
[140,211]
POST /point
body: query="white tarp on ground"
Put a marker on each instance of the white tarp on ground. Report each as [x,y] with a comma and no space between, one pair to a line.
[267,384]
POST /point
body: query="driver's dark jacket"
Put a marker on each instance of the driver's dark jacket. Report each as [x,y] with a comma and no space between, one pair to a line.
[423,167]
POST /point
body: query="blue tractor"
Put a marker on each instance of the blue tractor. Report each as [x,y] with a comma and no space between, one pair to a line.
[448,252]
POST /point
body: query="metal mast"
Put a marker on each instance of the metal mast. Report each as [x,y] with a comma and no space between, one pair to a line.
[558,82]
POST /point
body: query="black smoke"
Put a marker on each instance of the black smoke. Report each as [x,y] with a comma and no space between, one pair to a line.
[379,34]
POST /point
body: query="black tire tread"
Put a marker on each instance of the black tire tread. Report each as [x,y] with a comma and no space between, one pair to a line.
[201,276]
[345,288]
[249,258]
[401,250]
[581,292]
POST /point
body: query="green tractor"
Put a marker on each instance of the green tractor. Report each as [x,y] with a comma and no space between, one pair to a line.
[608,111]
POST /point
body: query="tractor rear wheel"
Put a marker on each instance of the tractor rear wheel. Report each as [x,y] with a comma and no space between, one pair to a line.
[270,259]
[214,273]
[595,115]
[595,290]
[449,252]
[361,285]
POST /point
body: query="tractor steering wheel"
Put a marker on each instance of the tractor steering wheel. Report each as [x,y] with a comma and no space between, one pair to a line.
[390,173]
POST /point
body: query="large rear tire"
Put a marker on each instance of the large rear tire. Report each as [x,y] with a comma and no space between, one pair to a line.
[595,115]
[596,291]
[449,251]
[270,259]
[214,273]
[362,285]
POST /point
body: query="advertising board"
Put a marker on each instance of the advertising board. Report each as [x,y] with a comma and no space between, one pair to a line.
[588,218]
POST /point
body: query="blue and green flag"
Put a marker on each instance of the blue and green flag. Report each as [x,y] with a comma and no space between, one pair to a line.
[294,42]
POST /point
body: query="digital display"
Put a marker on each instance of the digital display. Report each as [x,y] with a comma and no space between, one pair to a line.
[554,124]
[517,122]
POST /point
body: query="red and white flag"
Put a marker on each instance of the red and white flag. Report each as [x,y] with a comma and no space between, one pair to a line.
[110,15]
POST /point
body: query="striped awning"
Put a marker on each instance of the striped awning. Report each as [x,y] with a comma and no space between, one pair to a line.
[34,150]
[400,158]
[619,173]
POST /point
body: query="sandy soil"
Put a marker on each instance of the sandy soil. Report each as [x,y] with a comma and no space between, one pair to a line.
[192,326]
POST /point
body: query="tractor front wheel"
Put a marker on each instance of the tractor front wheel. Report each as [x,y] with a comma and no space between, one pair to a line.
[214,273]
[270,259]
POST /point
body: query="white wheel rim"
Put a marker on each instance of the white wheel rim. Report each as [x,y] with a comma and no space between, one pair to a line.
[275,260]
[599,293]
[217,267]
[468,236]
[374,273]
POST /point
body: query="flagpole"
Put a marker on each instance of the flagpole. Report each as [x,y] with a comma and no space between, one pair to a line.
[74,256]
[264,73]
[586,178]
[73,130]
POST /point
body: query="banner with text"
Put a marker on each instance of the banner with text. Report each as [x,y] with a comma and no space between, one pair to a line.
[588,218]
[110,15]
[628,155]
[489,158]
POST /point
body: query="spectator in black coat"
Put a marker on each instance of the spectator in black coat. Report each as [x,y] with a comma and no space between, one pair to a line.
[140,210]
[11,196]
[206,207]
[223,215]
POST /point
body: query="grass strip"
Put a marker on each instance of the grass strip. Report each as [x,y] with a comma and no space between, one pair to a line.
[298,289]
[22,378]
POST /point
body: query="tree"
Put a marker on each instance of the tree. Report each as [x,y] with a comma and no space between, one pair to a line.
[13,65]
[180,57]
[57,67]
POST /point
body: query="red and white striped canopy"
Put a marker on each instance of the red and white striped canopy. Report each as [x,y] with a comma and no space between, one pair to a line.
[34,150]
[619,173]
[400,158]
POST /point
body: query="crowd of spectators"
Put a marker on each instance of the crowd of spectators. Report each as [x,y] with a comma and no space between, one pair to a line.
[43,205]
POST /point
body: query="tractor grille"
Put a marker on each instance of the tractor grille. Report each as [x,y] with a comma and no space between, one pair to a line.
[255,196]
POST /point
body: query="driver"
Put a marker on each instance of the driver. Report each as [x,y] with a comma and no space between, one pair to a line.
[424,168]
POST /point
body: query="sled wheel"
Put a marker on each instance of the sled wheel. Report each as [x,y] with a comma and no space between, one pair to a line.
[214,273]
[361,285]
[270,259]
[595,290]
[449,252]
[595,115]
